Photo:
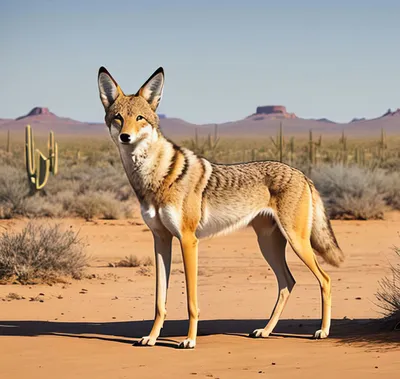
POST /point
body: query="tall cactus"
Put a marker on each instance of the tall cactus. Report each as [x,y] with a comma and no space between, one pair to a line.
[382,146]
[343,142]
[279,143]
[291,149]
[39,166]
[8,141]
[213,142]
[29,152]
[53,154]
[311,152]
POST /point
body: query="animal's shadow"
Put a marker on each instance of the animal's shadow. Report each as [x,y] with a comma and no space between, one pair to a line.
[359,330]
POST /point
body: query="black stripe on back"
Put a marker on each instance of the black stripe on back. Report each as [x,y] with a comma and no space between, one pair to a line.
[203,172]
[173,162]
[184,168]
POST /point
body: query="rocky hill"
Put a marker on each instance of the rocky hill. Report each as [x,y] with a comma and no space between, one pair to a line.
[263,123]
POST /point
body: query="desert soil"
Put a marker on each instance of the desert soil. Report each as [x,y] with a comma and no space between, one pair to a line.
[87,328]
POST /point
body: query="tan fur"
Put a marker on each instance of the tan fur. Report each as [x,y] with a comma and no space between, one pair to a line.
[187,197]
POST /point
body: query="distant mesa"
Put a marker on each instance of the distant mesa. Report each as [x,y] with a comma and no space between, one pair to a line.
[37,111]
[161,116]
[274,111]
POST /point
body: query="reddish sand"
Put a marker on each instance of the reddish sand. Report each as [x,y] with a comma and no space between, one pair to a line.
[85,329]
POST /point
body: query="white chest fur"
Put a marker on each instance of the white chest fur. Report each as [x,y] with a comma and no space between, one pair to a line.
[150,217]
[166,217]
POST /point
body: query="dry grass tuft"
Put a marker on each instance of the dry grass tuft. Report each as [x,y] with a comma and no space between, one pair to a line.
[129,261]
[144,271]
[147,261]
[133,261]
[389,295]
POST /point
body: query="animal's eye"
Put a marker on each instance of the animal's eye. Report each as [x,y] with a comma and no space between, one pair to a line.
[138,118]
[118,119]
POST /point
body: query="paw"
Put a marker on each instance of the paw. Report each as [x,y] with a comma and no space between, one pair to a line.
[187,344]
[320,334]
[146,341]
[259,333]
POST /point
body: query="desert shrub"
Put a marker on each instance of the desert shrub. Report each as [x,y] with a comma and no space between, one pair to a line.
[14,189]
[392,164]
[368,205]
[41,253]
[389,294]
[84,178]
[391,185]
[100,205]
[12,159]
[351,192]
[83,191]
[66,199]
[41,206]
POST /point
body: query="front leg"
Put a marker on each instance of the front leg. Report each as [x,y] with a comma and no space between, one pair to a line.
[162,248]
[189,245]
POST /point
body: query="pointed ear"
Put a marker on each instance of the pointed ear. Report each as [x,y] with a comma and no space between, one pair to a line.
[152,90]
[108,88]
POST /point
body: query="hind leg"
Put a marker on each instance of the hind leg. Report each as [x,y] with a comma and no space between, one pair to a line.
[272,245]
[303,249]
[297,227]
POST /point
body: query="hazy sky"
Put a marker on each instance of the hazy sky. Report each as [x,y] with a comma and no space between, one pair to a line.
[336,59]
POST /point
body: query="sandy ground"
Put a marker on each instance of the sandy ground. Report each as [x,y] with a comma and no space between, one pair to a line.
[86,329]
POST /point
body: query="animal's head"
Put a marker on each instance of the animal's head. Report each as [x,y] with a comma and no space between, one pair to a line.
[131,118]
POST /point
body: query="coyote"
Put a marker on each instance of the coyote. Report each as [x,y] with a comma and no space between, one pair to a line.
[185,196]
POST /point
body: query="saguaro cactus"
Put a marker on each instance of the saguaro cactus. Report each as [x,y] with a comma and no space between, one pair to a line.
[279,143]
[39,166]
[343,142]
[311,152]
[53,154]
[213,142]
[8,148]
[291,149]
[382,146]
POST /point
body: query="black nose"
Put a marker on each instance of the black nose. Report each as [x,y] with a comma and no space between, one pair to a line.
[125,137]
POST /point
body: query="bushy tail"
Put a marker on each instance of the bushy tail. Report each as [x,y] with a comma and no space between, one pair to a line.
[323,240]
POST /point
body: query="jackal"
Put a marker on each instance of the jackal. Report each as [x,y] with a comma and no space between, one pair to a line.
[185,196]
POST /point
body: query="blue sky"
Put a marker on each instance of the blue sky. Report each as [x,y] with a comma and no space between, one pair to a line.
[222,58]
